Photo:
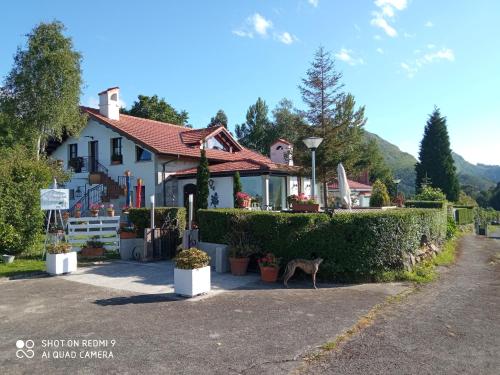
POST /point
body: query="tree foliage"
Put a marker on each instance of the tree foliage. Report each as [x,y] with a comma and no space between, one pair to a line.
[237,187]
[154,108]
[40,98]
[372,160]
[21,178]
[380,196]
[256,132]
[202,177]
[333,116]
[220,119]
[494,200]
[435,158]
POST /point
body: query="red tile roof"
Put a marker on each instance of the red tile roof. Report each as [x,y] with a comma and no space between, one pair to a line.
[169,139]
[240,166]
[353,185]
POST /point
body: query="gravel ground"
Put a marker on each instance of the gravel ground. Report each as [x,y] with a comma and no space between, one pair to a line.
[451,326]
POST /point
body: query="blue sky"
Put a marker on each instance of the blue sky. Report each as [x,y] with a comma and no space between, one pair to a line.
[399,57]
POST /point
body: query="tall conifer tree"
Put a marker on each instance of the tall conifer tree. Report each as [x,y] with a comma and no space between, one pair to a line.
[435,160]
[202,177]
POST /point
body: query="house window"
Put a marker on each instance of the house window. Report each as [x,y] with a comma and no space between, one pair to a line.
[142,154]
[73,151]
[116,151]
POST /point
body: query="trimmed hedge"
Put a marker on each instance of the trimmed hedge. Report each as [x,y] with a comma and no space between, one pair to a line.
[354,246]
[141,218]
[425,204]
[464,216]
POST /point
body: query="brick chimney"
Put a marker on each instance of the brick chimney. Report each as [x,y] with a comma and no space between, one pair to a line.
[282,152]
[109,103]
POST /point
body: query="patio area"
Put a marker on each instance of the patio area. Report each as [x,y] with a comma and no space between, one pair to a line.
[149,278]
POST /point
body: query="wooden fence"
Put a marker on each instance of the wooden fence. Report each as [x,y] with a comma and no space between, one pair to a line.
[101,228]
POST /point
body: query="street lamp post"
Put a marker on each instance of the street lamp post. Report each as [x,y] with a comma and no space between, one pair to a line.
[312,143]
[397,181]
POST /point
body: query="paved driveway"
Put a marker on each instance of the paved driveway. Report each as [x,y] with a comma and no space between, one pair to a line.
[149,278]
[260,329]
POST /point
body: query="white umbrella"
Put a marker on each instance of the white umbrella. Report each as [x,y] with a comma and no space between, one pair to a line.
[345,192]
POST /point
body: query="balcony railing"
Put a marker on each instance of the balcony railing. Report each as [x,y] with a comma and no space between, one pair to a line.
[86,164]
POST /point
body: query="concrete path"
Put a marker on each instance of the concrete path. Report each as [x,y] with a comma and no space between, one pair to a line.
[262,329]
[149,278]
[449,327]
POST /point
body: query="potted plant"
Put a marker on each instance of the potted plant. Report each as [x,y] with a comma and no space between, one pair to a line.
[302,203]
[116,159]
[110,210]
[240,250]
[269,268]
[94,209]
[243,200]
[60,258]
[127,232]
[93,248]
[78,210]
[192,272]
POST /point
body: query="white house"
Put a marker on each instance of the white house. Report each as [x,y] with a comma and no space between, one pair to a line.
[165,157]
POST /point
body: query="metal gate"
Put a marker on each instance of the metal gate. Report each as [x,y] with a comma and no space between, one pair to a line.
[162,243]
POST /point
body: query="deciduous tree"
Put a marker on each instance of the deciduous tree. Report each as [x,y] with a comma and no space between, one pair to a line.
[256,132]
[220,119]
[41,95]
[154,108]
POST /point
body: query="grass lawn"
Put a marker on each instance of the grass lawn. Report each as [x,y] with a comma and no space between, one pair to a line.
[21,266]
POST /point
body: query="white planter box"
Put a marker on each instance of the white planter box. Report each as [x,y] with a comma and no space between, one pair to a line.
[61,263]
[192,282]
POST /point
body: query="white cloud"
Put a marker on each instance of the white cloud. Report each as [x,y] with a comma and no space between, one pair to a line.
[444,54]
[431,46]
[377,37]
[255,24]
[285,37]
[379,21]
[346,55]
[398,4]
[386,11]
[429,24]
[314,3]
[409,36]
[380,50]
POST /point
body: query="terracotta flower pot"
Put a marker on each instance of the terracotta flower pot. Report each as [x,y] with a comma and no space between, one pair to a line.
[92,251]
[127,235]
[111,212]
[239,266]
[78,213]
[305,207]
[94,213]
[269,274]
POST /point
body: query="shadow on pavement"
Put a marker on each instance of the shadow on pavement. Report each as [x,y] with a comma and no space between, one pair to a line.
[139,299]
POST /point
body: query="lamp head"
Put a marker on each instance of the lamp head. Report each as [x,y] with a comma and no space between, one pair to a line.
[312,143]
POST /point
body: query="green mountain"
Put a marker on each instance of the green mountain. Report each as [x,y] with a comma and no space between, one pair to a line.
[480,176]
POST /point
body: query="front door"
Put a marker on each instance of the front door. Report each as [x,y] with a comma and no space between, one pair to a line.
[188,190]
[93,155]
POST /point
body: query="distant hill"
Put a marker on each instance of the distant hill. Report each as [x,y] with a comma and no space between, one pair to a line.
[480,176]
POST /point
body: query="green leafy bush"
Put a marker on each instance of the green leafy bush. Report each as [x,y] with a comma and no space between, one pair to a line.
[59,248]
[21,178]
[191,259]
[425,204]
[380,196]
[451,228]
[429,193]
[141,218]
[464,216]
[354,245]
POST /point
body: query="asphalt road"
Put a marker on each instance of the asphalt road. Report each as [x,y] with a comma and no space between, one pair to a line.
[451,326]
[258,330]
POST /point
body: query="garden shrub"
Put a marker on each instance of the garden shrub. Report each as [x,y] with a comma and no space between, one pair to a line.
[354,245]
[425,204]
[380,196]
[464,216]
[141,218]
[21,219]
[429,193]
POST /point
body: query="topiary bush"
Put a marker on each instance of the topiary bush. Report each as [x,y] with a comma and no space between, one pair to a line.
[380,196]
[464,216]
[354,245]
[141,218]
[425,204]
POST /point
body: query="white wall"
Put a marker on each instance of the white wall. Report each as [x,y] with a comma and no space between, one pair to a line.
[143,169]
[223,186]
